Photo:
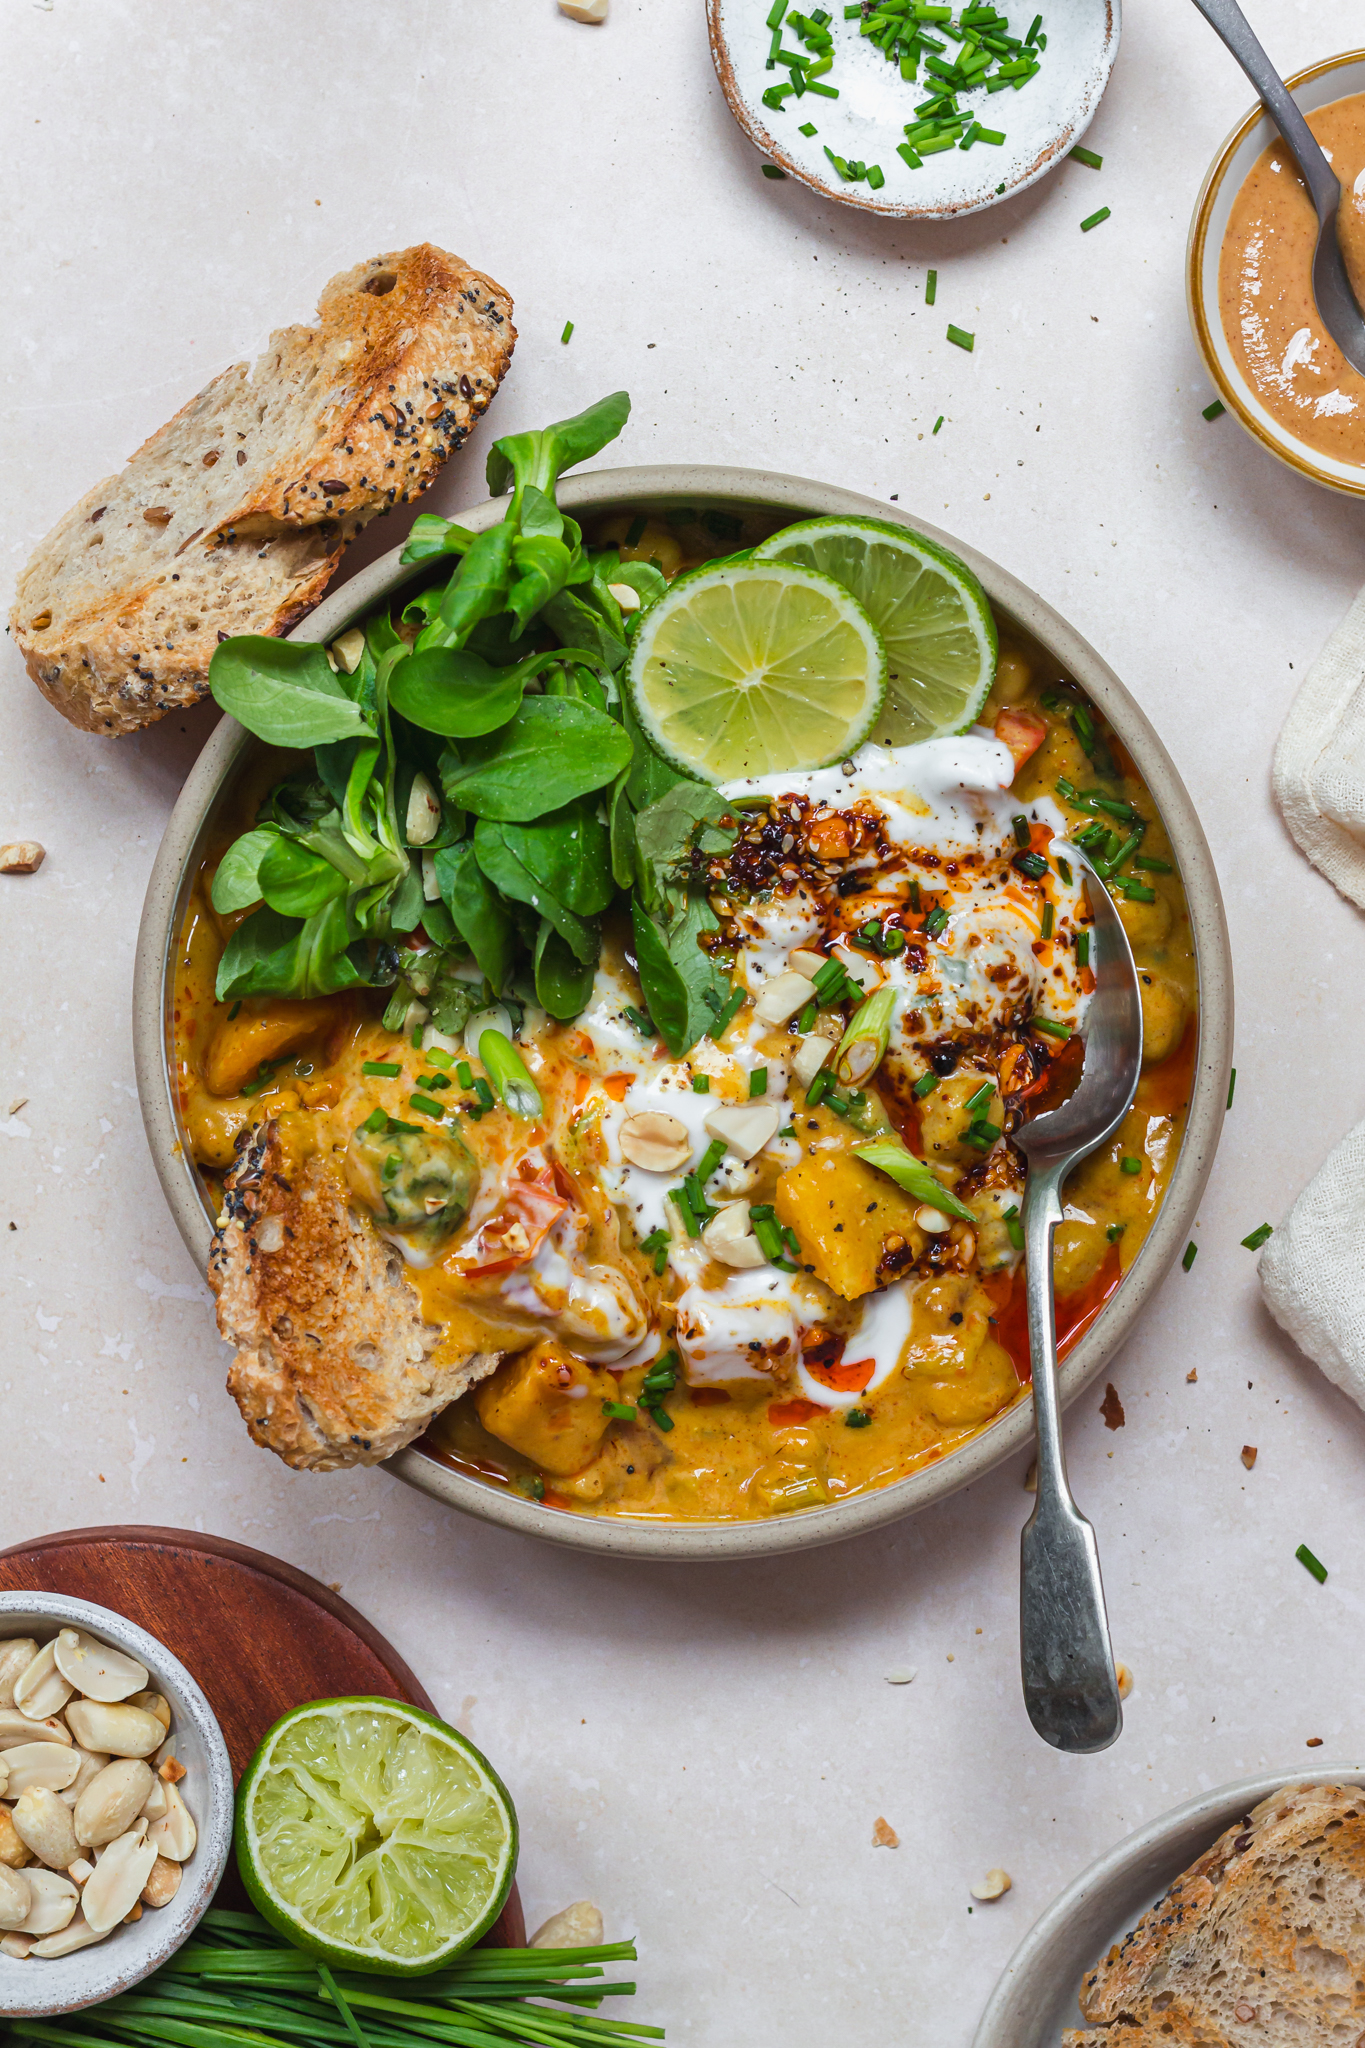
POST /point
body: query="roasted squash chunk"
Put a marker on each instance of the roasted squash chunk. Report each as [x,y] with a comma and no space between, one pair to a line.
[963,1373]
[856,1227]
[264,1032]
[547,1404]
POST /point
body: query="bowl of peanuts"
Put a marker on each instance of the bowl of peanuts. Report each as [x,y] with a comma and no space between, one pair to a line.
[116,1804]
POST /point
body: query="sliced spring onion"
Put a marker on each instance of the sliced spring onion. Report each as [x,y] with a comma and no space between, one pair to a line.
[1258,1236]
[425,1106]
[899,1164]
[508,1073]
[961,339]
[863,1046]
[619,1411]
[387,1070]
[758,1082]
[926,1085]
[1050,1025]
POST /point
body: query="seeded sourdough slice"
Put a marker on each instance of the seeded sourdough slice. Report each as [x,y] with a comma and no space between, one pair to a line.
[335,1364]
[232,517]
[1261,1941]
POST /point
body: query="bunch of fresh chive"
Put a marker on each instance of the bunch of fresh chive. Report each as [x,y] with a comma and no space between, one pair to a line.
[909,33]
[238,1983]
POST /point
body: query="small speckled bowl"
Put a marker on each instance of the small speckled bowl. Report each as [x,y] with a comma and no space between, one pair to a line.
[35,1986]
[1040,123]
[1035,1999]
[1333,79]
[773,500]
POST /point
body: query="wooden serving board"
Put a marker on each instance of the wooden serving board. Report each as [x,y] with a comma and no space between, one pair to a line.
[259,1636]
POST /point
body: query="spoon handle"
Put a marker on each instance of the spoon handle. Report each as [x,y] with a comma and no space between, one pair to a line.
[1232,25]
[1070,1686]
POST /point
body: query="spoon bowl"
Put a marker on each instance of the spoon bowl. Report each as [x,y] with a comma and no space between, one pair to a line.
[1071,1688]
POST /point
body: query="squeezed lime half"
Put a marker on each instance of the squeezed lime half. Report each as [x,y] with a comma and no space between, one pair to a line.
[755,668]
[373,1836]
[928,607]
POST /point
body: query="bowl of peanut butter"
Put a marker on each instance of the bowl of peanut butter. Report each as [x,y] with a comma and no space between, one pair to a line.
[1249,280]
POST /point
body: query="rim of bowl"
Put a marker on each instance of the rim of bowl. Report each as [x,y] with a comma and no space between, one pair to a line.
[1112,1892]
[96,1969]
[685,1542]
[1206,321]
[1047,159]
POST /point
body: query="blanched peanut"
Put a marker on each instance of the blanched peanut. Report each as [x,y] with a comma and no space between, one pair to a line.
[154,1805]
[16,1654]
[43,1822]
[17,1945]
[163,1884]
[53,1903]
[40,1763]
[16,1898]
[16,1728]
[120,1730]
[40,1689]
[577,1926]
[94,1669]
[76,1934]
[154,1703]
[93,1762]
[111,1802]
[174,1835]
[13,1854]
[120,1874]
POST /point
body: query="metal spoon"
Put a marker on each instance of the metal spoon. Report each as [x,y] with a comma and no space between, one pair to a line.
[1070,1685]
[1341,315]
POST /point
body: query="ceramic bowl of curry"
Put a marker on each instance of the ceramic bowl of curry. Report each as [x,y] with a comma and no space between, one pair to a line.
[751,1468]
[1248,280]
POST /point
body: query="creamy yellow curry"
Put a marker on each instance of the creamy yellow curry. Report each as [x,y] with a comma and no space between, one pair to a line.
[706,1303]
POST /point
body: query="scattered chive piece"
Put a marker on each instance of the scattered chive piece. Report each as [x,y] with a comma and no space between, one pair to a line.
[416,1040]
[657,1244]
[961,339]
[1258,1236]
[701,1084]
[925,1085]
[758,1082]
[1051,1027]
[936,922]
[909,156]
[235,1008]
[1191,1254]
[1049,917]
[375,1121]
[710,1160]
[484,1093]
[1211,412]
[931,288]
[818,1089]
[568,331]
[857,1418]
[1115,1231]
[808,128]
[1064,870]
[1014,1227]
[1094,220]
[1034,865]
[1232,1086]
[726,1015]
[1086,156]
[682,1202]
[938,422]
[1130,1165]
[385,1069]
[876,177]
[1019,826]
[641,1020]
[425,1105]
[464,1074]
[772,171]
[439,1058]
[1152,866]
[1311,1563]
[787,1131]
[982,1095]
[619,1411]
[1082,949]
[775,14]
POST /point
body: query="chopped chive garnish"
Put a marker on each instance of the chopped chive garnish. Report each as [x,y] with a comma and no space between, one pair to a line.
[1151,865]
[385,1070]
[775,14]
[235,1008]
[758,1082]
[568,331]
[961,339]
[726,1015]
[1020,827]
[925,1085]
[1014,1227]
[1086,156]
[484,1093]
[1049,914]
[819,1088]
[1311,1563]
[826,92]
[1130,1165]
[931,288]
[1258,1236]
[641,1020]
[375,1121]
[772,171]
[1115,1231]
[1064,870]
[1191,1254]
[635,531]
[992,135]
[787,1131]
[984,1134]
[464,1074]
[1051,1027]
[856,1418]
[441,1059]
[938,422]
[1211,412]
[425,1104]
[1094,220]
[982,1096]
[876,177]
[657,1244]
[1082,949]
[682,1202]
[710,1160]
[1034,865]
[701,1084]
[909,156]
[1232,1086]
[619,1411]
[808,128]
[936,922]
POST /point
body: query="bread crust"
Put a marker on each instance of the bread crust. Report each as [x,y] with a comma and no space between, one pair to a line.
[335,1363]
[232,517]
[1266,1922]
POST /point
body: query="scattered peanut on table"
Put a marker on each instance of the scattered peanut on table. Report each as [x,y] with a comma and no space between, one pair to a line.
[92,1825]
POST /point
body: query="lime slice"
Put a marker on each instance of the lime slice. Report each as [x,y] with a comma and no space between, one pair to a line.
[928,607]
[373,1836]
[756,668]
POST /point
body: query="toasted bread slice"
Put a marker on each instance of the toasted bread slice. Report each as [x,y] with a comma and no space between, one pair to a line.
[1262,1940]
[232,517]
[335,1364]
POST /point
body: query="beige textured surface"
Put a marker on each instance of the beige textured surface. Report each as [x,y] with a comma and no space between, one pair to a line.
[704,1752]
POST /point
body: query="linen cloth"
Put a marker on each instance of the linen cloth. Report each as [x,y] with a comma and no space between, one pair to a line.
[1313,1269]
